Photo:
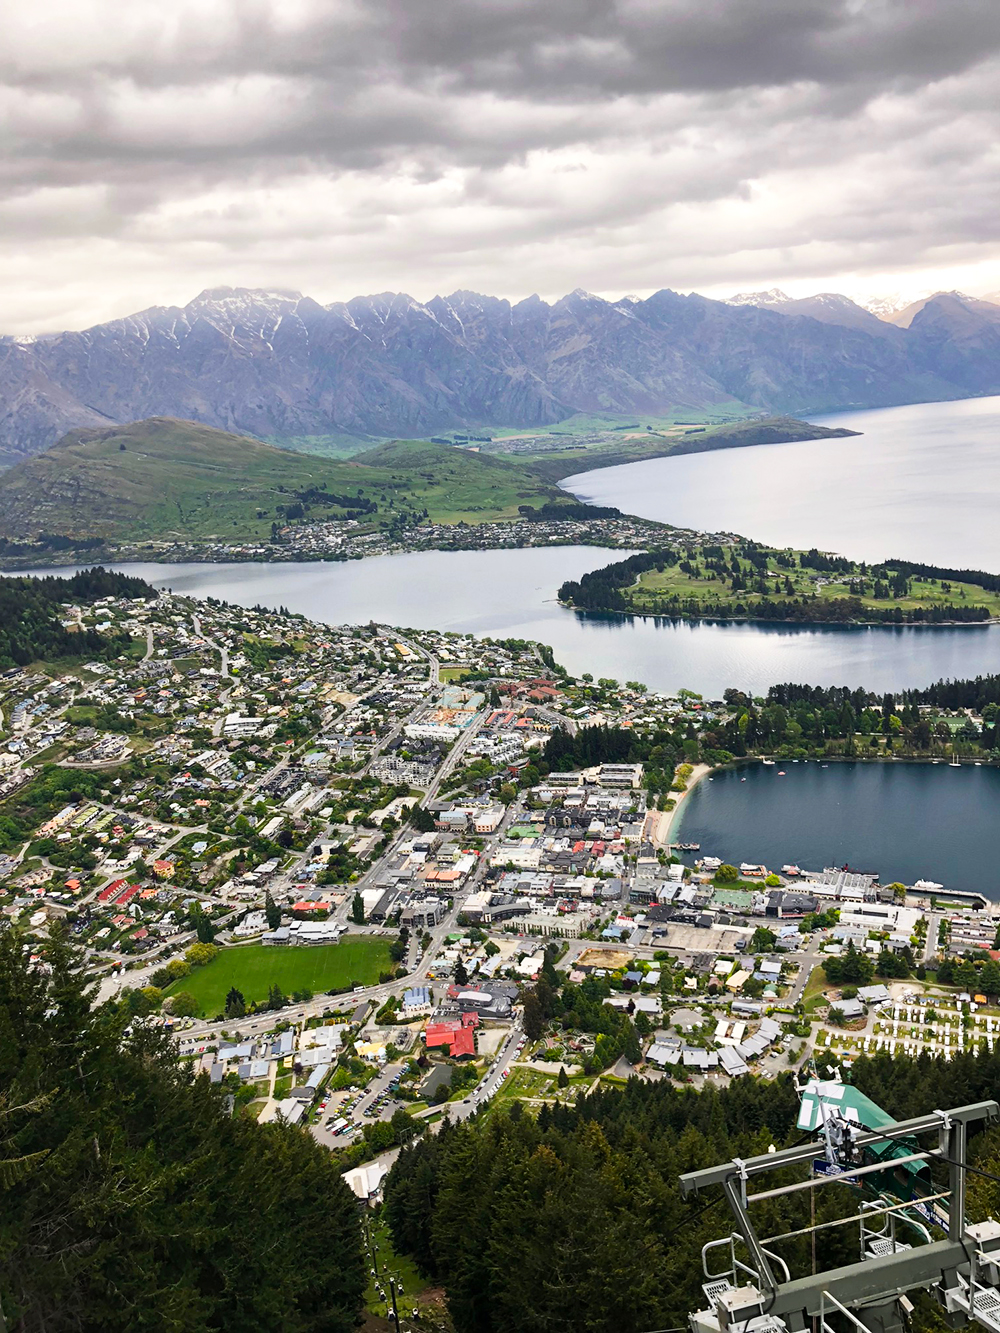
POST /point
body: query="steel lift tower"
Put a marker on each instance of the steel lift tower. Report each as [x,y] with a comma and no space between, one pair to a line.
[749,1288]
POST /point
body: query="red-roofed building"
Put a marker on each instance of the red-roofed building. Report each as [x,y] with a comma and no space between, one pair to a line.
[500,718]
[306,906]
[538,690]
[543,694]
[463,1043]
[458,1037]
[106,894]
[127,895]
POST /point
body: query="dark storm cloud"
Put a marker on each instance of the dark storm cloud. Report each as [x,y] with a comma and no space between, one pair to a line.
[548,141]
[553,47]
[548,48]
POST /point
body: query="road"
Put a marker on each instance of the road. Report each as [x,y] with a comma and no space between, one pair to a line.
[492,1081]
[933,926]
[224,672]
[478,1097]
[807,960]
[451,760]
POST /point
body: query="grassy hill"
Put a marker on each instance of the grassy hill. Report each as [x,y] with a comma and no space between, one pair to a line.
[164,479]
[458,484]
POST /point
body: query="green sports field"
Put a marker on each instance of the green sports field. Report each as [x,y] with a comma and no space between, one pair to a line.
[254,968]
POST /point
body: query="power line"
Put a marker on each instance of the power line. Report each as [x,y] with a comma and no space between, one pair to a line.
[976,1171]
[691,1217]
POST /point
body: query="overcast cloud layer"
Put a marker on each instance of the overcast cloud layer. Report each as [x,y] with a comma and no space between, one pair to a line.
[151,149]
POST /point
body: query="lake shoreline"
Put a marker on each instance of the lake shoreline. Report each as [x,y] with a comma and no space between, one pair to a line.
[509,594]
[790,624]
[67,560]
[899,820]
[672,817]
[921,484]
[669,831]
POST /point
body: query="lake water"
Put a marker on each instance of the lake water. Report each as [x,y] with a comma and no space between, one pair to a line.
[511,594]
[902,821]
[922,483]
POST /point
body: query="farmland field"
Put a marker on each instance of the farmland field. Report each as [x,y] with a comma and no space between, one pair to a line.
[254,968]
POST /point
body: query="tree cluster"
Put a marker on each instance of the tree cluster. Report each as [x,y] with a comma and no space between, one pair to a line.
[574,1220]
[564,513]
[30,615]
[133,1200]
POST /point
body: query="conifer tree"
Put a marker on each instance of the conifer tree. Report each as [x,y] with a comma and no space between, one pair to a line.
[133,1201]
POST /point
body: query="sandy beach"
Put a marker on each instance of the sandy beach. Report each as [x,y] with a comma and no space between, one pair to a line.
[666,820]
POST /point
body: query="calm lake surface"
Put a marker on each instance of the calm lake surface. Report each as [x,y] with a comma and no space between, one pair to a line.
[511,594]
[901,821]
[922,483]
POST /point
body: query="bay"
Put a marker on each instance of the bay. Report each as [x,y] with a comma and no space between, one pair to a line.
[921,482]
[511,594]
[901,821]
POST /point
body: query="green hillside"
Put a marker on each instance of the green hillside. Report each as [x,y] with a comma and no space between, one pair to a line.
[164,479]
[458,484]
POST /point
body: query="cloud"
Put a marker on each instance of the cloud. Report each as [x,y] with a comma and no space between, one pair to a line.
[511,145]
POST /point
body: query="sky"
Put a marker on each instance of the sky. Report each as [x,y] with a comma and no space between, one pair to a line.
[153,148]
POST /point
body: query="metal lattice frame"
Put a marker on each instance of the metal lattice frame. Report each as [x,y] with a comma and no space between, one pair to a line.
[876,1284]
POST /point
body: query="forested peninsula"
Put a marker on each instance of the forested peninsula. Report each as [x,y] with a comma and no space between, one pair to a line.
[743,580]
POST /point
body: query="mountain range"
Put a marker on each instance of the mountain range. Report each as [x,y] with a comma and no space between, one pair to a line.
[277,365]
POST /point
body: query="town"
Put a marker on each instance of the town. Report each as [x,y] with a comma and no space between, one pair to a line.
[340,866]
[313,538]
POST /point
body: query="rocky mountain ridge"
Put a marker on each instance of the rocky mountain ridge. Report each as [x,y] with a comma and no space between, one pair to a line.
[276,364]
